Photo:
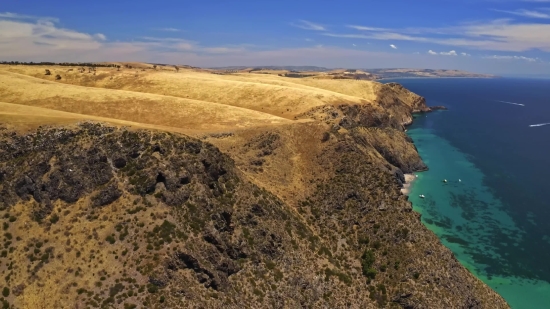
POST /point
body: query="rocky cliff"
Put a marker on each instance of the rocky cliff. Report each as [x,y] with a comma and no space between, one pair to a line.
[106,217]
[307,215]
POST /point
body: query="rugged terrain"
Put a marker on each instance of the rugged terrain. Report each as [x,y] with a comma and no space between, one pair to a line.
[152,188]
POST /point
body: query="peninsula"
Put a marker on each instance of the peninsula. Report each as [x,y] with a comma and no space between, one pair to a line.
[136,185]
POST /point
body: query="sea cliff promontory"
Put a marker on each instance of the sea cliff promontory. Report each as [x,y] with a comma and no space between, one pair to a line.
[187,189]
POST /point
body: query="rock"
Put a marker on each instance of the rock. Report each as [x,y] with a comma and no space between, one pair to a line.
[106,196]
[119,162]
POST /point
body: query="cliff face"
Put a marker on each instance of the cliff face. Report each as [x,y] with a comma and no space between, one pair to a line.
[109,217]
[401,102]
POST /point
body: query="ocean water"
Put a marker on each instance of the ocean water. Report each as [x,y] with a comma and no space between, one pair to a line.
[494,211]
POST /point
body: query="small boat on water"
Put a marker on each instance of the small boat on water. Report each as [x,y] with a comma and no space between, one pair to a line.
[422,196]
[460,180]
[445,180]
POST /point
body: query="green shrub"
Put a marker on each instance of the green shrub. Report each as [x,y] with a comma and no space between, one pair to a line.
[6,291]
[54,218]
[110,239]
[151,288]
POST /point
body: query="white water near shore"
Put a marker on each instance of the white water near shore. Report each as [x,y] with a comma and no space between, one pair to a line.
[409,179]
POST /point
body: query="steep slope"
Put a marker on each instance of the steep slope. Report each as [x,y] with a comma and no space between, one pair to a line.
[298,212]
[108,217]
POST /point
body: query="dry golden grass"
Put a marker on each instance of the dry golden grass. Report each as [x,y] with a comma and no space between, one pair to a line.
[24,118]
[144,108]
[266,93]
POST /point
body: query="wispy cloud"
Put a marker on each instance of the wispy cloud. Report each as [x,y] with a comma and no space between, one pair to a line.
[9,15]
[497,35]
[363,28]
[465,54]
[506,57]
[526,13]
[393,46]
[167,29]
[307,25]
[25,37]
[449,53]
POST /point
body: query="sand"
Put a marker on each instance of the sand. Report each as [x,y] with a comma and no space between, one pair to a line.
[409,179]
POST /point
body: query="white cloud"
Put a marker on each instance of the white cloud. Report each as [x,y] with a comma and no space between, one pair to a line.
[184,46]
[8,15]
[465,54]
[307,25]
[497,35]
[451,53]
[28,38]
[167,29]
[393,46]
[353,44]
[222,50]
[526,13]
[367,28]
[506,57]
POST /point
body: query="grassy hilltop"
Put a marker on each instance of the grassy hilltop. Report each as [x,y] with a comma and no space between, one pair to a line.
[157,187]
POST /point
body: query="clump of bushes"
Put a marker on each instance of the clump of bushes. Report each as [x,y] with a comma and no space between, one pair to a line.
[367,261]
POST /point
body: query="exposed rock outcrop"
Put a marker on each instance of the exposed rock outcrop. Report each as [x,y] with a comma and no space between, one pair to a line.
[107,217]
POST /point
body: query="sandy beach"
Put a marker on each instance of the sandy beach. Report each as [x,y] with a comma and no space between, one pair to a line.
[409,179]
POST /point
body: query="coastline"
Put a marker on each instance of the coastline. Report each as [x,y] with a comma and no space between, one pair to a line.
[409,180]
[435,77]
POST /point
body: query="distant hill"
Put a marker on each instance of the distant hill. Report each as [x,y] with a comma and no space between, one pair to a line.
[274,67]
[375,73]
[409,73]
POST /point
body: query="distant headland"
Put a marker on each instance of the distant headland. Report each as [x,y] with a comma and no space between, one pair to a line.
[362,74]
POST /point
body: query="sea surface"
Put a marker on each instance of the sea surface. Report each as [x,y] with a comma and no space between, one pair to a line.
[494,211]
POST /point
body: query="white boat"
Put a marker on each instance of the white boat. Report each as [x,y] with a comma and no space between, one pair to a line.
[422,196]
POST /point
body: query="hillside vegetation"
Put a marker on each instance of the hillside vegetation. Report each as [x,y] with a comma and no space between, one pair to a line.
[157,188]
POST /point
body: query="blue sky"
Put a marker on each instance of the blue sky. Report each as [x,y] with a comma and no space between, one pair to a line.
[488,36]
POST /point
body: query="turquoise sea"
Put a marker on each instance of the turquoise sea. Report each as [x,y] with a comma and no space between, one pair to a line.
[494,211]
